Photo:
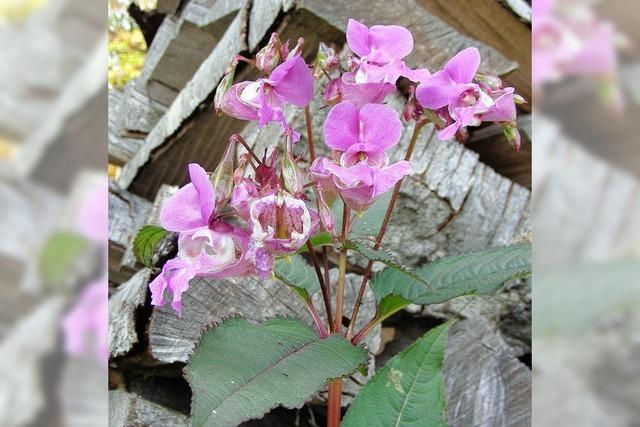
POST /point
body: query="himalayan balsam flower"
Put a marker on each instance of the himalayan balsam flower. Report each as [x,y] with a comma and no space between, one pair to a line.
[280,225]
[207,245]
[459,100]
[361,137]
[264,100]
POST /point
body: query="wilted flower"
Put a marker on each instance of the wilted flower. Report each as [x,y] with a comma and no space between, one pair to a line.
[264,100]
[280,225]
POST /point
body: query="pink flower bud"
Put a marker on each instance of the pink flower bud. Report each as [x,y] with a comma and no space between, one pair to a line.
[297,49]
[291,173]
[269,57]
[326,60]
[512,134]
[222,177]
[412,109]
[490,82]
[333,92]
[223,88]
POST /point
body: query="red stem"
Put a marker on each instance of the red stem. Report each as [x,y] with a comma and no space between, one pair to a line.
[323,283]
[334,411]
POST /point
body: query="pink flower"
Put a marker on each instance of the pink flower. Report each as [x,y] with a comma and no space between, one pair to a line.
[380,50]
[88,319]
[207,246]
[264,100]
[360,138]
[280,225]
[214,252]
[461,102]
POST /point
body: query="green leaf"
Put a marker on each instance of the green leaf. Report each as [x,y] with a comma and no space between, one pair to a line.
[480,272]
[318,240]
[383,257]
[240,370]
[58,256]
[146,241]
[389,305]
[408,391]
[367,224]
[296,272]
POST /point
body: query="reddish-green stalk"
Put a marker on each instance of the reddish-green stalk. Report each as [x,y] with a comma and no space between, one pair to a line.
[383,229]
[238,138]
[321,280]
[342,269]
[322,329]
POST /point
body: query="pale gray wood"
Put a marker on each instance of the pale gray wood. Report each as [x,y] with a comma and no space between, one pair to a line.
[127,214]
[262,16]
[122,308]
[84,393]
[127,410]
[485,385]
[196,91]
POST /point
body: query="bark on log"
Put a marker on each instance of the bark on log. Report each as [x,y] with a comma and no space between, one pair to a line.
[127,409]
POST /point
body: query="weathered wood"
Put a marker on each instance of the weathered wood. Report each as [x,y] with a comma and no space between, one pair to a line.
[121,148]
[83,392]
[491,23]
[127,214]
[485,384]
[122,308]
[196,91]
[127,409]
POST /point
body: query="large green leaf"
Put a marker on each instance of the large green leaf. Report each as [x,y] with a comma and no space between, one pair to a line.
[480,272]
[408,391]
[59,255]
[296,272]
[323,238]
[240,370]
[146,241]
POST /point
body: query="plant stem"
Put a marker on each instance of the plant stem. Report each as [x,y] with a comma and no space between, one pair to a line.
[334,411]
[240,139]
[342,269]
[363,333]
[307,119]
[323,283]
[322,330]
[383,229]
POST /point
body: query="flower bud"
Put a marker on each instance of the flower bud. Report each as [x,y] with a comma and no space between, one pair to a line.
[222,178]
[412,109]
[326,215]
[297,49]
[512,134]
[269,56]
[326,60]
[223,88]
[291,173]
[518,99]
[333,92]
[491,82]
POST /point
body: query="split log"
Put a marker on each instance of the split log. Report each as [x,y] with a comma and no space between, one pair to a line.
[83,392]
[127,409]
[485,384]
[127,214]
[122,309]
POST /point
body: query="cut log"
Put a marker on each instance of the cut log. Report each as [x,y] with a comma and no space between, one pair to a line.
[127,214]
[485,384]
[127,409]
[122,309]
[84,392]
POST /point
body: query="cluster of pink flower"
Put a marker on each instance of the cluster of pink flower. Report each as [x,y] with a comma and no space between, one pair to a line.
[359,129]
[569,39]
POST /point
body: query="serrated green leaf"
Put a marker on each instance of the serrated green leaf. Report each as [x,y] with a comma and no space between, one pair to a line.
[389,305]
[58,256]
[146,241]
[480,272]
[408,391]
[382,256]
[296,272]
[240,370]
[318,240]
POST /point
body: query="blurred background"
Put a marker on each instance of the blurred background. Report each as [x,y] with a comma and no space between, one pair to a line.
[586,199]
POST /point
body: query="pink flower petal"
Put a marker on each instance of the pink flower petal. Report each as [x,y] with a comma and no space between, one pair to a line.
[436,91]
[341,127]
[380,126]
[503,109]
[181,211]
[386,178]
[358,38]
[464,65]
[364,93]
[204,188]
[293,81]
[390,41]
